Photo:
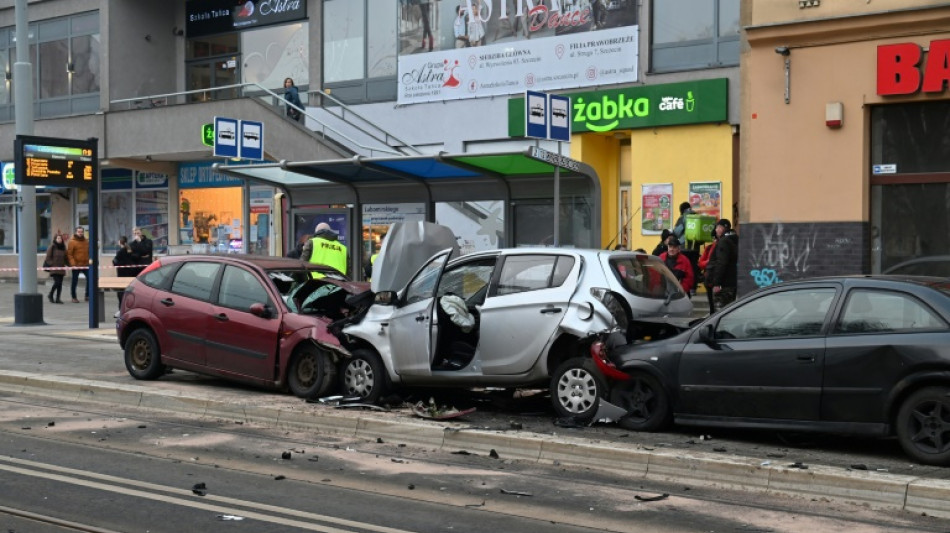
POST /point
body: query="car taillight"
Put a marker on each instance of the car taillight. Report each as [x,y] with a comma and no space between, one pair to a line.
[155,264]
[598,352]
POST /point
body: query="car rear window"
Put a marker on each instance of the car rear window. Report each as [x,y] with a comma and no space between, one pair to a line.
[645,276]
[158,277]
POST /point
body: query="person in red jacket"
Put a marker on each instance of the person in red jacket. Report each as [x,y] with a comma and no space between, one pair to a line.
[678,264]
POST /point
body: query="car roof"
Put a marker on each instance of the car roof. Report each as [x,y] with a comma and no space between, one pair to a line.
[549,250]
[873,280]
[264,262]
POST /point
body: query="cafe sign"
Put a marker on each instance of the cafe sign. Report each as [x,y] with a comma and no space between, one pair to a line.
[672,104]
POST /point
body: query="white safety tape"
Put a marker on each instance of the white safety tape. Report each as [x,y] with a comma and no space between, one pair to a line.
[101,267]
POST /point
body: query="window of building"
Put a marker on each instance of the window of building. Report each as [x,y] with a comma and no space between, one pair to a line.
[694,34]
[64,53]
[910,183]
[359,51]
[129,199]
[273,53]
[210,62]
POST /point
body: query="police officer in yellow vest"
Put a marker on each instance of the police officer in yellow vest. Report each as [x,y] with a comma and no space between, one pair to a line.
[325,248]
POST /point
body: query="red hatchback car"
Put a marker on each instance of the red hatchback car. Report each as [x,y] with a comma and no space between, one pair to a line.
[254,319]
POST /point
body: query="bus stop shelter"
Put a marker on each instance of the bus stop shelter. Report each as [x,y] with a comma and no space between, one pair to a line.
[509,177]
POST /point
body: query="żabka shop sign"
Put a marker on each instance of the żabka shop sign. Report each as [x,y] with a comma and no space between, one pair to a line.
[670,104]
[899,68]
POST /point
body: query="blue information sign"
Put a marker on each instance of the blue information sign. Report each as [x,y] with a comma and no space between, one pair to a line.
[536,114]
[252,140]
[560,121]
[225,137]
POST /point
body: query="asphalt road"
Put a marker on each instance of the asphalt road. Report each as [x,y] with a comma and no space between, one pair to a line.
[115,470]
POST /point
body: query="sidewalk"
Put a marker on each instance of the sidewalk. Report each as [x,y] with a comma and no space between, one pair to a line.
[102,379]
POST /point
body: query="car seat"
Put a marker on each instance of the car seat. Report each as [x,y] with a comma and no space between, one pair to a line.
[458,334]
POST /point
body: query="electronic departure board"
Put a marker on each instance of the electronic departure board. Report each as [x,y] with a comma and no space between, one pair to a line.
[53,162]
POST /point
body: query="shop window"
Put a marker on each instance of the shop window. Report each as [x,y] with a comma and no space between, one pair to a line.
[212,217]
[151,216]
[116,219]
[694,34]
[910,192]
[213,61]
[359,51]
[7,227]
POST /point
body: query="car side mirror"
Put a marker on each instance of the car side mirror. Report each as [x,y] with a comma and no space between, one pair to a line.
[386,298]
[707,335]
[261,310]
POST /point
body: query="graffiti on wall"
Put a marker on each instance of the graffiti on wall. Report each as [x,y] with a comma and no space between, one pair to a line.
[780,252]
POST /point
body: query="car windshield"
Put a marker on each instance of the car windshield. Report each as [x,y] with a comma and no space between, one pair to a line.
[289,281]
[645,276]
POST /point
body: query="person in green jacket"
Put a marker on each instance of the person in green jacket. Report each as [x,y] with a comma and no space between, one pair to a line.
[325,248]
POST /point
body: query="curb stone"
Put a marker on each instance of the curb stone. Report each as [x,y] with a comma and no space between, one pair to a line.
[877,490]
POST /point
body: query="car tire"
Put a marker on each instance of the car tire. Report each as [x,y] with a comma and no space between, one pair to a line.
[576,388]
[644,399]
[364,375]
[143,358]
[923,426]
[311,373]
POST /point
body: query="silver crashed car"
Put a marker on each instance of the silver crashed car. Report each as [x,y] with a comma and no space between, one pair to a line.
[520,317]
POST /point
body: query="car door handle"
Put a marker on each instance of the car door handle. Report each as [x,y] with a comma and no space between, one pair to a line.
[549,310]
[221,317]
[806,358]
[168,302]
[421,318]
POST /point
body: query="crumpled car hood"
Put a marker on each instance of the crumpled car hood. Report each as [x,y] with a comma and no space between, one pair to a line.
[407,246]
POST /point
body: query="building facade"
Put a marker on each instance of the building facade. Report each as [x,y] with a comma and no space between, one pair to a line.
[411,77]
[845,157]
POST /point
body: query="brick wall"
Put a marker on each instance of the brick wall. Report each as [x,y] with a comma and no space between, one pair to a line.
[776,252]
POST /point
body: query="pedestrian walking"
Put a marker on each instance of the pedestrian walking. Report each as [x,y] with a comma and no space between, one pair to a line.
[77,253]
[292,98]
[56,259]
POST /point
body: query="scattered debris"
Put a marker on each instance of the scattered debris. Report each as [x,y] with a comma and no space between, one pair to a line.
[227,517]
[286,455]
[568,422]
[799,465]
[143,426]
[462,452]
[515,425]
[719,449]
[200,489]
[476,504]
[51,424]
[412,487]
[379,440]
[775,455]
[314,459]
[400,461]
[434,411]
[26,427]
[765,463]
[516,493]
[705,437]
[493,454]
[859,467]
[369,406]
[280,477]
[652,498]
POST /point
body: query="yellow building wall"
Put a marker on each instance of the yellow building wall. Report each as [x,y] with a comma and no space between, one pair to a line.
[602,152]
[678,155]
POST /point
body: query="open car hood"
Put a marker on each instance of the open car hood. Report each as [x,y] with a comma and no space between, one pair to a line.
[407,246]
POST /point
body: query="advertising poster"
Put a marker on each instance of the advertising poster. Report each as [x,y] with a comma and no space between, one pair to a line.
[656,208]
[706,198]
[451,50]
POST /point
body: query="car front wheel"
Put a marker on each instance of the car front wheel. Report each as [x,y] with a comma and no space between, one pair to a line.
[311,373]
[364,375]
[142,356]
[923,426]
[576,389]
[645,401]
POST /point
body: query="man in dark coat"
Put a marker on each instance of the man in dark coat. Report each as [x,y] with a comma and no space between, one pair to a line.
[141,247]
[725,264]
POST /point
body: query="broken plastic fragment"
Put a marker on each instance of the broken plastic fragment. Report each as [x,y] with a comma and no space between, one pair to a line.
[652,498]
[516,493]
[229,517]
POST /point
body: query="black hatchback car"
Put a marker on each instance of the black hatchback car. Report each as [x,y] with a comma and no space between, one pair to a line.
[847,355]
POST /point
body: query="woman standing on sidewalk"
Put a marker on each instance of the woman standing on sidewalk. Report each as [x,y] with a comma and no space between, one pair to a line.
[56,258]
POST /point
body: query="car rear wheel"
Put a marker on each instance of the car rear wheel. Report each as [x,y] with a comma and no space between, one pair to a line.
[576,388]
[645,401]
[365,376]
[142,356]
[311,373]
[923,426]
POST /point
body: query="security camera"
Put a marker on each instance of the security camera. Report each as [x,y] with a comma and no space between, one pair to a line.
[782,50]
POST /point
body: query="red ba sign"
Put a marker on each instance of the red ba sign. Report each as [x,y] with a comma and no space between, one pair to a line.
[898,68]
